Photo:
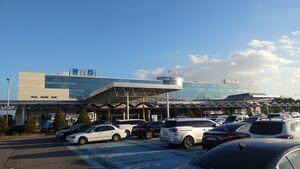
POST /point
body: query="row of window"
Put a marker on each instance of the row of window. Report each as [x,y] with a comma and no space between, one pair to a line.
[44,97]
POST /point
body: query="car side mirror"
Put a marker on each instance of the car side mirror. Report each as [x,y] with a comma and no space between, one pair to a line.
[214,125]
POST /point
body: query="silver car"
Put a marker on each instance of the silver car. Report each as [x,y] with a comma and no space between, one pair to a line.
[287,128]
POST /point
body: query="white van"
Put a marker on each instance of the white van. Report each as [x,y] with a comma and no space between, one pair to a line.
[185,131]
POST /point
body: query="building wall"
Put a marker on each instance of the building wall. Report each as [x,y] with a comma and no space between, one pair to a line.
[31,86]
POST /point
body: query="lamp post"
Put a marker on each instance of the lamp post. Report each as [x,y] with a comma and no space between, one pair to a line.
[8,96]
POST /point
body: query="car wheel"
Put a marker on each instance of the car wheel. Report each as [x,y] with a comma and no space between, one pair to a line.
[149,135]
[127,133]
[188,142]
[82,141]
[116,137]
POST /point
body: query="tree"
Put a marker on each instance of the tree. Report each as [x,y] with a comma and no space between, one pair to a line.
[83,117]
[59,121]
[106,117]
[191,113]
[30,125]
[3,125]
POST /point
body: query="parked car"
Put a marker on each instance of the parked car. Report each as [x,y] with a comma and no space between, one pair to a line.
[102,132]
[63,134]
[279,115]
[127,125]
[235,118]
[218,118]
[225,133]
[276,128]
[148,129]
[185,131]
[251,119]
[17,129]
[250,154]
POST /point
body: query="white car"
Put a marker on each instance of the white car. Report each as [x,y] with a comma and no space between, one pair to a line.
[127,125]
[185,131]
[97,133]
[287,128]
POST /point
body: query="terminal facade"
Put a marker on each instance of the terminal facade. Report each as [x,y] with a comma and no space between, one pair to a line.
[164,97]
[41,86]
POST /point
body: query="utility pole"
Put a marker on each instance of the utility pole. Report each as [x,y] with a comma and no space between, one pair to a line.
[8,97]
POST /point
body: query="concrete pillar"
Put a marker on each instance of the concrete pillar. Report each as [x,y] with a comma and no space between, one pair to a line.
[127,104]
[149,115]
[23,114]
[143,109]
[168,105]
[124,115]
[144,114]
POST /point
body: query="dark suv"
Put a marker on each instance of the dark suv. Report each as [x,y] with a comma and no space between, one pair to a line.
[148,130]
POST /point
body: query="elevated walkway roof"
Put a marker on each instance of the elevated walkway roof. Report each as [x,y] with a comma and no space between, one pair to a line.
[117,92]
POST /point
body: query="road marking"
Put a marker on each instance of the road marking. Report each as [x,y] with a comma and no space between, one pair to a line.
[86,158]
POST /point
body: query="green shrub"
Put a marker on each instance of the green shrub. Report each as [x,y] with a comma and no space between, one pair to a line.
[59,121]
[83,117]
[106,117]
[3,125]
[30,125]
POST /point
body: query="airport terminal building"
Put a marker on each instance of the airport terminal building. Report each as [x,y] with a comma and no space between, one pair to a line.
[41,86]
[121,98]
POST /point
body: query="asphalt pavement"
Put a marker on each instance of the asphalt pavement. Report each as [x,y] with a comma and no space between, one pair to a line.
[133,153]
[38,153]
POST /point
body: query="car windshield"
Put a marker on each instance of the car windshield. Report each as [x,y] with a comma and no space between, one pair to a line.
[89,129]
[230,118]
[82,128]
[266,128]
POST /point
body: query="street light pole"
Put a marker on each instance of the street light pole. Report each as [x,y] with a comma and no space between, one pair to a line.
[8,96]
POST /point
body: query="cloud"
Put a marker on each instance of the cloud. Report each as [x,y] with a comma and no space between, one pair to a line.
[196,59]
[273,66]
[263,45]
[141,74]
[296,33]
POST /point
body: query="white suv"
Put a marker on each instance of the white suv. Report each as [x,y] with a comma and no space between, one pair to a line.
[127,125]
[185,131]
[276,128]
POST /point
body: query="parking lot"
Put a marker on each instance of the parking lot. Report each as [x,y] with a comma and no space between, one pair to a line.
[135,153]
[131,153]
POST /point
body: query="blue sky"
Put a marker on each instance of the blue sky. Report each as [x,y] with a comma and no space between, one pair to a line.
[118,37]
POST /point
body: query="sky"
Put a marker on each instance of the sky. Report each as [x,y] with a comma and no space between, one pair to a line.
[253,41]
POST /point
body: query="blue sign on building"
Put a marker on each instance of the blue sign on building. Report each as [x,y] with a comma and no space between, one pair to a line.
[91,72]
[75,71]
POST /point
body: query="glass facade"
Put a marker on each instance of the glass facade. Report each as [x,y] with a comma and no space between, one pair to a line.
[80,87]
[193,91]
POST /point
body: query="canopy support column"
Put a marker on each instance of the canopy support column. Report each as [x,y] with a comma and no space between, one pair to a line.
[127,104]
[23,115]
[168,105]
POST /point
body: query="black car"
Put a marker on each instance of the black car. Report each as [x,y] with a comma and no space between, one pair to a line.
[62,134]
[250,154]
[17,129]
[148,130]
[224,133]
